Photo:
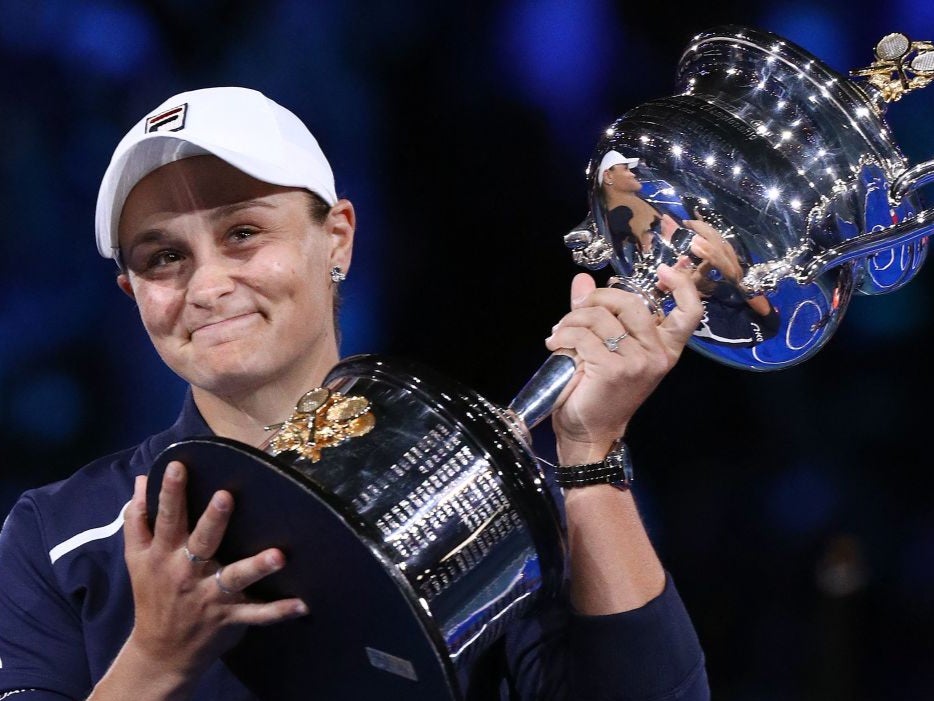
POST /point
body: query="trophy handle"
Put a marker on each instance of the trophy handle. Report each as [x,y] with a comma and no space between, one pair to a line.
[912,179]
[906,231]
[536,400]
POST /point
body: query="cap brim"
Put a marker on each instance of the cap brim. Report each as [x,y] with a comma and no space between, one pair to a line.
[153,152]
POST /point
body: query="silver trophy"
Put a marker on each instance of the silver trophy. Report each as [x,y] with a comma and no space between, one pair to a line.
[415,516]
[802,195]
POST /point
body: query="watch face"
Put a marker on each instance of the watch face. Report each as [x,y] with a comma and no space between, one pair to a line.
[619,459]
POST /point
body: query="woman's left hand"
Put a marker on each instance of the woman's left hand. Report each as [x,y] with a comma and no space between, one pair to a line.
[610,385]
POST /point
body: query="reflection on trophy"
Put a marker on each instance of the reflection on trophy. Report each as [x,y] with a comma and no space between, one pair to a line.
[780,181]
[651,225]
[791,164]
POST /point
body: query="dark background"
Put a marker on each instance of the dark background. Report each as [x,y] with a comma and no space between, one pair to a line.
[793,507]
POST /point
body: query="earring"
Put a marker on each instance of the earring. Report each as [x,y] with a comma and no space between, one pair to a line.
[337,275]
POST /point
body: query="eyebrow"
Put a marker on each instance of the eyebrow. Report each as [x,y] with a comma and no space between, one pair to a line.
[158,235]
[145,237]
[228,209]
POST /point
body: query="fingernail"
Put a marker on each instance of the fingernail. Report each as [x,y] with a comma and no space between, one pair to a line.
[173,471]
[274,561]
[219,503]
[301,608]
[578,300]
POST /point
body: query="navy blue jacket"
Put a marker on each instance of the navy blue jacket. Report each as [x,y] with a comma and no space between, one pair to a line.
[66,608]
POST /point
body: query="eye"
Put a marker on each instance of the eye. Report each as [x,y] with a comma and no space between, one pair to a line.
[242,233]
[162,258]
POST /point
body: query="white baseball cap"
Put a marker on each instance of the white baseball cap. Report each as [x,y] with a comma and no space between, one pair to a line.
[240,126]
[611,159]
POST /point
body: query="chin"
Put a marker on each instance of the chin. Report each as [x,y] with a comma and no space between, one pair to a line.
[227,378]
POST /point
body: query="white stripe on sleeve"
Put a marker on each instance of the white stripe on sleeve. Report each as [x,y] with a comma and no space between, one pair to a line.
[99,533]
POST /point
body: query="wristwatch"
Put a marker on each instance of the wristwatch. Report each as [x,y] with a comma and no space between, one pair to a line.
[614,469]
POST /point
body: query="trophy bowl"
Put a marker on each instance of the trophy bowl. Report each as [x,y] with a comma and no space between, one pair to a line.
[794,172]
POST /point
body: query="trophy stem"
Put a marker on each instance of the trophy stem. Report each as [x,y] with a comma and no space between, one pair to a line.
[536,400]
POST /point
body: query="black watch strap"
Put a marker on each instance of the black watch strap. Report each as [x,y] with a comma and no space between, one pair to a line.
[615,469]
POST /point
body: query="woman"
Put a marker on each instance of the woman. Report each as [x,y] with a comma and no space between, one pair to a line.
[221,212]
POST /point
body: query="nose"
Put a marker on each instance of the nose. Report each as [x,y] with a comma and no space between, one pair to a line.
[210,280]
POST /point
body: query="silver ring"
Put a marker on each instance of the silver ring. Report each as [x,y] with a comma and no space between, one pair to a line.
[194,559]
[220,584]
[612,344]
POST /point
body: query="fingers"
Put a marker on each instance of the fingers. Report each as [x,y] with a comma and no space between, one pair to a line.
[702,248]
[708,242]
[171,525]
[668,226]
[185,601]
[587,344]
[627,308]
[136,533]
[706,230]
[262,614]
[206,538]
[231,581]
[600,322]
[606,313]
[239,575]
[686,315]
[581,286]
[200,546]
[596,315]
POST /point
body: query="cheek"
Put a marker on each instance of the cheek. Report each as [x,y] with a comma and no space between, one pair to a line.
[158,309]
[299,275]
[281,278]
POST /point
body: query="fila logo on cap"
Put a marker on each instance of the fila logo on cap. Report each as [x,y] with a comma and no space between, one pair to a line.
[170,120]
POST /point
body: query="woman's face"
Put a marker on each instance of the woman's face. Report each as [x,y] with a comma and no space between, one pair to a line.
[620,178]
[231,275]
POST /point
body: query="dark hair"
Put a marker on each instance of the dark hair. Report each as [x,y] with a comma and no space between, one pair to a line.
[317,208]
[318,211]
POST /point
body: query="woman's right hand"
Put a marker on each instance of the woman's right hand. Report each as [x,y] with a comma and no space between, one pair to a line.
[191,609]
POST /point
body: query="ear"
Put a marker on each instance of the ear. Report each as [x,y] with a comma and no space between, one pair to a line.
[341,224]
[123,282]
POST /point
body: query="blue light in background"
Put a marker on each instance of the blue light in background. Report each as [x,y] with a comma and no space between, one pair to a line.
[25,328]
[557,54]
[912,17]
[48,407]
[802,500]
[817,30]
[884,318]
[111,39]
[30,29]
[114,40]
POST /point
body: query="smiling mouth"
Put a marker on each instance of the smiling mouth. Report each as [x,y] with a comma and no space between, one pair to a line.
[222,325]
